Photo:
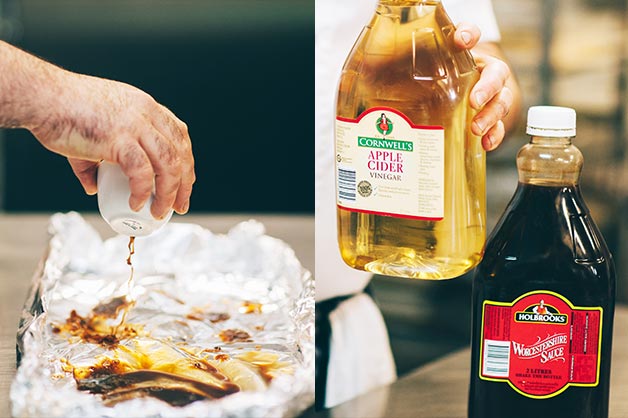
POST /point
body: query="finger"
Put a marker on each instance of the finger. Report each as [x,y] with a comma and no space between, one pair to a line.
[167,168]
[136,165]
[173,128]
[169,125]
[494,136]
[467,35]
[492,79]
[85,171]
[494,111]
[182,202]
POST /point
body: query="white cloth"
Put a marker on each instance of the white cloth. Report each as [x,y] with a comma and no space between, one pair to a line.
[360,356]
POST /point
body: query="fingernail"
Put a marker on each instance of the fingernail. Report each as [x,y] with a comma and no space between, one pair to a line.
[466,37]
[186,206]
[491,142]
[480,98]
[480,125]
[136,206]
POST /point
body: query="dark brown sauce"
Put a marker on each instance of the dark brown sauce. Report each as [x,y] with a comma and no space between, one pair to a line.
[221,357]
[94,328]
[132,373]
[212,350]
[265,372]
[110,309]
[198,314]
[268,365]
[175,389]
[131,247]
[128,307]
[162,372]
[174,298]
[235,335]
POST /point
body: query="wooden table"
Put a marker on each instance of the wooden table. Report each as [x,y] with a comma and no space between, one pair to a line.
[23,239]
[440,389]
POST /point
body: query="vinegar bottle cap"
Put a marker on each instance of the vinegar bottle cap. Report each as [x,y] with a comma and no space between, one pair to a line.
[113,203]
[551,121]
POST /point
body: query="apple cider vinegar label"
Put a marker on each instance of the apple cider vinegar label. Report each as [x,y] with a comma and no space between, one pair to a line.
[386,165]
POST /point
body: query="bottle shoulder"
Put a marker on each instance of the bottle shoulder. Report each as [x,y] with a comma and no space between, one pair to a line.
[550,225]
[410,43]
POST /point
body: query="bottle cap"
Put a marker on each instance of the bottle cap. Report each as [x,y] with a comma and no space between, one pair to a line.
[113,203]
[552,121]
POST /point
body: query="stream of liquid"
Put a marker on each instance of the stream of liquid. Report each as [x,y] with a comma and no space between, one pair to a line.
[129,292]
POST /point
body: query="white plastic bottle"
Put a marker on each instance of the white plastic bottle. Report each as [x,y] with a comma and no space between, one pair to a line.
[113,203]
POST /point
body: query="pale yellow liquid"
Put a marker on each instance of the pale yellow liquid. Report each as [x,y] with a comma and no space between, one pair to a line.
[404,59]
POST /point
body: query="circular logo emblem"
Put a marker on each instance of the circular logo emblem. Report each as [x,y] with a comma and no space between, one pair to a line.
[384,125]
[364,188]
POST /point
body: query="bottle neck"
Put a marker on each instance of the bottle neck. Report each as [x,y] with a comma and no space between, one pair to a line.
[551,141]
[549,161]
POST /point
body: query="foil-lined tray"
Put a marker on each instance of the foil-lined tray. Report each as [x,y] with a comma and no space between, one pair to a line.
[190,288]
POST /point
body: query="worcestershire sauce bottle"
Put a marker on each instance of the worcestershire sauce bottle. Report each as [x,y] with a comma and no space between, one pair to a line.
[544,294]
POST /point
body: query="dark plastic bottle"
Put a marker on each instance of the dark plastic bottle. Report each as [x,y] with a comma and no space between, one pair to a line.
[544,294]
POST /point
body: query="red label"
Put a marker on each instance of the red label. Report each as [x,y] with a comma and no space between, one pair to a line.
[540,344]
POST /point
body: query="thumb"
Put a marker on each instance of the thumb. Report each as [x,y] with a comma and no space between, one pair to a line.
[467,35]
[85,171]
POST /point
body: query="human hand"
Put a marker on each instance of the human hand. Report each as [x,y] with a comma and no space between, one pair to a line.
[89,119]
[493,94]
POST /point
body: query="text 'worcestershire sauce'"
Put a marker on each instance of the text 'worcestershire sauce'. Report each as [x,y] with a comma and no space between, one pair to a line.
[544,294]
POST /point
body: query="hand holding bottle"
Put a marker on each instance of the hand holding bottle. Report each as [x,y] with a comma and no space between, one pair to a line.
[496,95]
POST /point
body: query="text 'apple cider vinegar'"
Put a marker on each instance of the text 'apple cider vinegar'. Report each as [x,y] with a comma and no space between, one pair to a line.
[410,175]
[544,294]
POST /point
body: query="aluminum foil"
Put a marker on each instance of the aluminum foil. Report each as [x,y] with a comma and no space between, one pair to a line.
[178,269]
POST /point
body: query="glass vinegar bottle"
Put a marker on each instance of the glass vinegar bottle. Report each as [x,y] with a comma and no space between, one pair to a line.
[410,174]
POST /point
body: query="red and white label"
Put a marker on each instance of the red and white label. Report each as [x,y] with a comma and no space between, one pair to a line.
[540,344]
[386,165]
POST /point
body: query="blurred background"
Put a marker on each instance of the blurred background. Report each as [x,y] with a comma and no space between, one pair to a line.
[564,52]
[238,72]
